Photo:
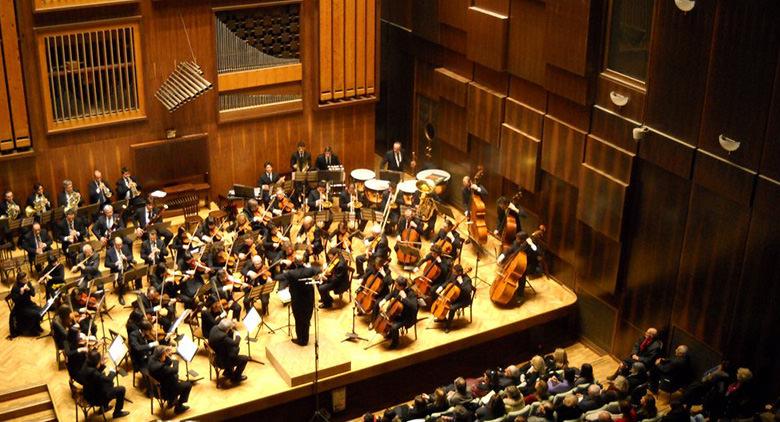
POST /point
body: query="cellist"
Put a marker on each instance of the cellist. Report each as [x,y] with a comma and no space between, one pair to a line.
[376,246]
[408,316]
[448,234]
[463,281]
[435,257]
[380,267]
[413,225]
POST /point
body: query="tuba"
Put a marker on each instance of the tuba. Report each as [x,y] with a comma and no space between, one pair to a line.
[13,211]
[73,202]
[427,207]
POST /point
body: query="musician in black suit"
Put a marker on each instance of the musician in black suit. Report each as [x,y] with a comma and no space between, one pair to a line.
[380,249]
[99,388]
[35,242]
[646,350]
[522,244]
[71,229]
[64,197]
[327,159]
[90,268]
[300,160]
[147,215]
[462,280]
[53,275]
[337,281]
[166,371]
[448,232]
[124,188]
[25,317]
[107,224]
[99,192]
[397,159]
[505,208]
[8,200]
[351,200]
[141,344]
[253,273]
[469,189]
[409,221]
[153,249]
[317,197]
[267,180]
[38,194]
[225,289]
[226,344]
[119,258]
[435,256]
[302,295]
[408,317]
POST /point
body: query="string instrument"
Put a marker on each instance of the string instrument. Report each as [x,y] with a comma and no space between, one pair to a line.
[422,283]
[86,300]
[510,225]
[445,243]
[392,310]
[443,303]
[503,290]
[369,290]
[409,236]
[286,205]
[478,228]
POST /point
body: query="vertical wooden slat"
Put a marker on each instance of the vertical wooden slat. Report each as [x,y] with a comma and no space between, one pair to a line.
[93,86]
[5,114]
[350,46]
[360,53]
[370,45]
[108,61]
[338,49]
[99,59]
[80,77]
[64,77]
[52,110]
[325,29]
[117,70]
[133,78]
[13,70]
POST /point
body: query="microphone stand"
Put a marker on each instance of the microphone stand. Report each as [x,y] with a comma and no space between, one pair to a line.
[319,414]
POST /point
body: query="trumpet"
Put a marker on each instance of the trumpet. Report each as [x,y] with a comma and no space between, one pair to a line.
[103,188]
[134,192]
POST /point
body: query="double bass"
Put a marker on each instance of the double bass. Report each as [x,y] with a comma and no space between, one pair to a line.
[503,290]
[478,228]
[510,226]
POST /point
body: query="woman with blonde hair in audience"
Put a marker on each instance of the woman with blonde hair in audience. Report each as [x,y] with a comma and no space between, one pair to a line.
[617,389]
[537,368]
[513,400]
[559,361]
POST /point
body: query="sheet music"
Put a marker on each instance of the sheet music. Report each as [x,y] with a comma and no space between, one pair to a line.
[179,320]
[258,192]
[117,350]
[251,320]
[187,348]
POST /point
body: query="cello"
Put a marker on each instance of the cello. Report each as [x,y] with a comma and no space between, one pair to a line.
[369,290]
[409,237]
[383,322]
[478,228]
[445,243]
[442,305]
[510,226]
[422,283]
[503,290]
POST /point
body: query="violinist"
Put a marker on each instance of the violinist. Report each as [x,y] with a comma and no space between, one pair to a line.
[302,298]
[25,317]
[342,237]
[267,181]
[66,318]
[435,257]
[311,236]
[255,274]
[244,248]
[153,303]
[336,278]
[165,369]
[224,285]
[153,250]
[281,204]
[53,276]
[99,388]
[142,342]
[318,242]
[159,273]
[242,225]
[209,231]
[469,189]
[75,349]
[149,215]
[216,258]
[189,289]
[376,246]
[226,344]
[273,241]
[463,281]
[89,263]
[505,208]
[211,314]
[119,259]
[70,230]
[408,316]
[252,214]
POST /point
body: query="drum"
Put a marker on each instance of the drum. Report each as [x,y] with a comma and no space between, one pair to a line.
[360,177]
[440,178]
[375,188]
[408,189]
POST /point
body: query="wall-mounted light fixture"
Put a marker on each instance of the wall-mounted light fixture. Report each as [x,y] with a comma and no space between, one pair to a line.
[728,144]
[618,99]
[685,5]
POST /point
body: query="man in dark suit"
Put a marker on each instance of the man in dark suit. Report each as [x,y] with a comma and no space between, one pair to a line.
[470,189]
[38,194]
[124,188]
[70,230]
[99,388]
[68,191]
[166,371]
[119,258]
[462,280]
[396,159]
[380,249]
[337,281]
[408,316]
[327,159]
[226,345]
[267,180]
[153,249]
[302,296]
[90,268]
[317,197]
[98,190]
[8,200]
[646,350]
[107,224]
[140,345]
[147,215]
[592,400]
[36,242]
[672,373]
[300,160]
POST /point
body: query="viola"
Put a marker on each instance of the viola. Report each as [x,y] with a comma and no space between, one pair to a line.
[422,283]
[86,300]
[477,212]
[369,290]
[503,290]
[383,322]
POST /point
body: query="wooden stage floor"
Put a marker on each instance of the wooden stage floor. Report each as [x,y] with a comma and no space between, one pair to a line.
[29,361]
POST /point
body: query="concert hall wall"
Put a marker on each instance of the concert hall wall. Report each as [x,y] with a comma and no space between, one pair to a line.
[236,150]
[669,230]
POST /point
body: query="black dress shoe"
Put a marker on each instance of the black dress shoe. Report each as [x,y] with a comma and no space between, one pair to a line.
[122,300]
[326,305]
[121,414]
[180,409]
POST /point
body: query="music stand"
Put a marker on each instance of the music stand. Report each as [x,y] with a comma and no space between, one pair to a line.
[46,216]
[27,222]
[117,351]
[283,220]
[407,248]
[251,322]
[392,176]
[322,216]
[120,204]
[243,191]
[43,258]
[88,211]
[186,348]
[256,293]
[123,233]
[367,214]
[478,251]
[135,274]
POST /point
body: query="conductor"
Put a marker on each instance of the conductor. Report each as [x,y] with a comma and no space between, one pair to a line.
[302,296]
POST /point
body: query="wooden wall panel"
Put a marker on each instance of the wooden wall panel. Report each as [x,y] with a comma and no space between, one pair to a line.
[668,153]
[614,129]
[601,201]
[567,84]
[742,65]
[558,208]
[519,158]
[710,266]
[724,178]
[485,113]
[527,23]
[350,47]
[562,150]
[451,86]
[611,161]
[425,19]
[453,39]
[597,319]
[453,13]
[609,86]
[425,80]
[679,55]
[528,93]
[487,38]
[625,336]
[523,118]
[770,161]
[13,70]
[597,263]
[451,125]
[566,35]
[656,210]
[6,133]
[498,6]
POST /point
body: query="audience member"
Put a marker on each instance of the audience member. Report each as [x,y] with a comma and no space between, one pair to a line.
[585,375]
[671,374]
[569,409]
[540,392]
[627,412]
[593,399]
[460,394]
[557,385]
[513,400]
[647,409]
[493,409]
[646,350]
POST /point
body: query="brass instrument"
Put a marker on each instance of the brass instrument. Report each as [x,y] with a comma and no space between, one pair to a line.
[106,191]
[13,211]
[39,206]
[73,202]
[427,207]
[134,192]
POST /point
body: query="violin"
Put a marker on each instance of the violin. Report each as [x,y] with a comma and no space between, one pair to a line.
[392,310]
[503,290]
[477,212]
[422,283]
[286,205]
[369,290]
